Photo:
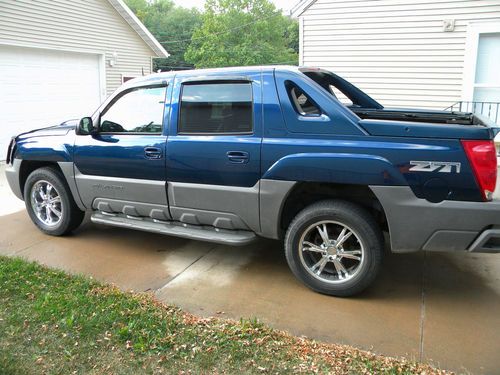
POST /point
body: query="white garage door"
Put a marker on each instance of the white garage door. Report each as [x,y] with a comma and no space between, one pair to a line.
[40,88]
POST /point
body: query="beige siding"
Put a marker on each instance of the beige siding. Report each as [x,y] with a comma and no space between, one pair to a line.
[77,25]
[395,50]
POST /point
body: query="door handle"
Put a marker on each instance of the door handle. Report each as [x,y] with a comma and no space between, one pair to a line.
[152,152]
[238,157]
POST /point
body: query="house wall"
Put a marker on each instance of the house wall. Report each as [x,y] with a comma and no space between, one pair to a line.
[396,51]
[80,26]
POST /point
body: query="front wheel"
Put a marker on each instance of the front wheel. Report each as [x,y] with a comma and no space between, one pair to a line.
[49,202]
[334,247]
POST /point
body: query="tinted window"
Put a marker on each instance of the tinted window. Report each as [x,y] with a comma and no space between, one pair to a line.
[302,103]
[138,111]
[216,108]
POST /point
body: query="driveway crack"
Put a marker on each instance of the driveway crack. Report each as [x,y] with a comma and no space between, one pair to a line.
[186,268]
[422,308]
[20,251]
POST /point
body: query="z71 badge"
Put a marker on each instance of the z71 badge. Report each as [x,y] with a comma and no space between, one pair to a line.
[435,166]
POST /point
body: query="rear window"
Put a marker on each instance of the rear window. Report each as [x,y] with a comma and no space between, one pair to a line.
[302,103]
[216,108]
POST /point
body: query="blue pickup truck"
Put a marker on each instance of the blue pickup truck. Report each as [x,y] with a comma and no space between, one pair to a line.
[227,155]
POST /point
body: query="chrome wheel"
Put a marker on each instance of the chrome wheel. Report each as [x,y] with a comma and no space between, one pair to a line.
[46,203]
[331,252]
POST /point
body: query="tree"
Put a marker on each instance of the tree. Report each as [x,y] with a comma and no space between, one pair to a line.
[242,32]
[292,34]
[138,7]
[171,25]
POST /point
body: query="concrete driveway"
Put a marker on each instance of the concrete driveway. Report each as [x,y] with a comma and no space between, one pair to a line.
[439,308]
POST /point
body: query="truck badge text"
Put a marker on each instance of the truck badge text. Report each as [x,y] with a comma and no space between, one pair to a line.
[435,166]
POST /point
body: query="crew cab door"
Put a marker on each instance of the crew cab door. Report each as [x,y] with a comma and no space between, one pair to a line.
[121,167]
[213,151]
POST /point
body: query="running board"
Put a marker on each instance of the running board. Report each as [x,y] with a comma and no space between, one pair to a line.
[175,228]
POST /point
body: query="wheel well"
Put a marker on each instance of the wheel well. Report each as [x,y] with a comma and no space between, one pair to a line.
[28,166]
[305,193]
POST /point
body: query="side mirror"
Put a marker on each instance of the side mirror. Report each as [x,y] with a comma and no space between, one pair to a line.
[86,126]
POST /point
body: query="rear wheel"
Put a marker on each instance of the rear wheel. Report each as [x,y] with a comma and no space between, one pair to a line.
[49,202]
[334,247]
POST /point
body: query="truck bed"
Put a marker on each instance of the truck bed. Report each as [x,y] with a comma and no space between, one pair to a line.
[366,107]
[437,117]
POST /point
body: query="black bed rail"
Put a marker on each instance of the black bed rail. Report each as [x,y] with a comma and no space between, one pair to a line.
[487,109]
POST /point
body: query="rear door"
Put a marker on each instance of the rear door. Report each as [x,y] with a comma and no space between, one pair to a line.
[213,151]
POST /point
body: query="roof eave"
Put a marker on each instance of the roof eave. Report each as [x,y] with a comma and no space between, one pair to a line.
[138,26]
[301,7]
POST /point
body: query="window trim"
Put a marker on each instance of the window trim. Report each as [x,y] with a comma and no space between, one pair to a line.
[219,81]
[122,94]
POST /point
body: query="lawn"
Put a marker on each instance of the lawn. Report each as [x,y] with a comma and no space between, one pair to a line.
[55,323]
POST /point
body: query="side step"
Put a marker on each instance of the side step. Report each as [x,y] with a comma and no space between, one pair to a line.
[175,228]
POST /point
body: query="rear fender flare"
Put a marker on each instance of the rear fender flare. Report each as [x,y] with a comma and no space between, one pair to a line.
[340,168]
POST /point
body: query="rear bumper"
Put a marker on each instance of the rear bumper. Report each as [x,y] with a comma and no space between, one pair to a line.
[487,242]
[416,224]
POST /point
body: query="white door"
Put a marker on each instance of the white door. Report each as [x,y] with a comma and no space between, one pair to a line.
[40,88]
[487,77]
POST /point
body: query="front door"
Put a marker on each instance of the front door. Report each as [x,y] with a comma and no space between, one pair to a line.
[123,165]
[213,152]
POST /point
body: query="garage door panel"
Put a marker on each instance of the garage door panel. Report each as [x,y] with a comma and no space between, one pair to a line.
[43,87]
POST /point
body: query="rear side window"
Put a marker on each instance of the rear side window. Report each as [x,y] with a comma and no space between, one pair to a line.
[216,108]
[302,103]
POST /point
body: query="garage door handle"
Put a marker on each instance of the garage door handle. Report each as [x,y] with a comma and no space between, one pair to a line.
[152,152]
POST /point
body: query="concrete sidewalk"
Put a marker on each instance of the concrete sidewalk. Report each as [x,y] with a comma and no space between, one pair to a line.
[434,307]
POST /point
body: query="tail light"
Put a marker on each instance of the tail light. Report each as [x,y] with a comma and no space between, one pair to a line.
[483,159]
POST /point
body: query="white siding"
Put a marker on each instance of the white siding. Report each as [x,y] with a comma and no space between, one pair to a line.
[77,25]
[395,50]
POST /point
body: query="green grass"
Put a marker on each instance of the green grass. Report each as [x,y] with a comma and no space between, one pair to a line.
[54,323]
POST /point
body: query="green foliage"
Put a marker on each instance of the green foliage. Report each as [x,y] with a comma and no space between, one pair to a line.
[228,33]
[139,7]
[168,22]
[292,35]
[180,24]
[243,32]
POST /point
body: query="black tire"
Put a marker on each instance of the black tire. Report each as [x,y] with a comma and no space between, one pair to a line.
[71,215]
[336,214]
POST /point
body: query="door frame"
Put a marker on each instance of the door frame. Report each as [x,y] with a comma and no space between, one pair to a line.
[474,30]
